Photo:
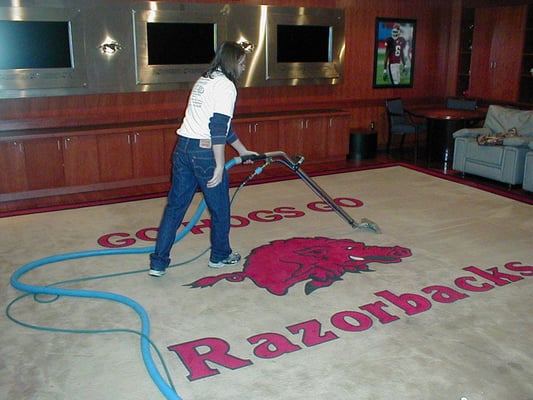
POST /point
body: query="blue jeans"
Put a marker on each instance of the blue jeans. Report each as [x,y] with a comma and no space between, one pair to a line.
[193,167]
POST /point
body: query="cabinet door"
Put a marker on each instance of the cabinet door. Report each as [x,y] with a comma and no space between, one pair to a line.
[148,153]
[305,136]
[496,52]
[291,134]
[114,157]
[259,136]
[480,59]
[44,163]
[244,132]
[12,167]
[338,139]
[506,51]
[170,139]
[314,139]
[80,156]
[265,136]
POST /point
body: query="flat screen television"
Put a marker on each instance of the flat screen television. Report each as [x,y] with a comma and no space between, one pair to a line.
[306,46]
[41,48]
[35,44]
[304,43]
[176,45]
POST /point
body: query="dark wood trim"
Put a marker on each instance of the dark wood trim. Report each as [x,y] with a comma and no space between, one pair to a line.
[68,190]
[494,3]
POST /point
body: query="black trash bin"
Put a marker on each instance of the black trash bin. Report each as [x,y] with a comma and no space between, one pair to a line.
[363,145]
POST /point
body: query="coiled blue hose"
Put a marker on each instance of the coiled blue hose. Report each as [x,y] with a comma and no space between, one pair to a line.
[165,388]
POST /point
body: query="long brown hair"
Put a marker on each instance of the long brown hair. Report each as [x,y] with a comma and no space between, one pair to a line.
[226,60]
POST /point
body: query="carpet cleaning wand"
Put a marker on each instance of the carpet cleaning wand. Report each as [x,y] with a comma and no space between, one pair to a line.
[294,165]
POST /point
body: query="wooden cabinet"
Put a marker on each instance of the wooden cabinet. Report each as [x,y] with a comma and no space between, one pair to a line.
[291,136]
[47,163]
[148,148]
[133,154]
[115,157]
[65,162]
[305,136]
[497,52]
[44,163]
[84,158]
[338,136]
[316,138]
[264,136]
[314,135]
[257,135]
[80,160]
[12,167]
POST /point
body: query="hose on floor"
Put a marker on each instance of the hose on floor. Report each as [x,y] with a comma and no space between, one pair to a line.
[165,386]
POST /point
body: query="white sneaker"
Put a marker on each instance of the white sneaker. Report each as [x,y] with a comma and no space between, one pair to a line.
[156,272]
[233,258]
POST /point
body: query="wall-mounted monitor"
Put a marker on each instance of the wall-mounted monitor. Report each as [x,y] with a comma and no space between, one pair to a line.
[41,48]
[72,47]
[305,46]
[304,43]
[176,44]
[35,44]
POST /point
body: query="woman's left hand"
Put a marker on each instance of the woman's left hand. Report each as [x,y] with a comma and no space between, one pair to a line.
[217,177]
[248,153]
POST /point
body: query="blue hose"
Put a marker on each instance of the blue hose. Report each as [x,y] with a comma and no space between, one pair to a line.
[167,390]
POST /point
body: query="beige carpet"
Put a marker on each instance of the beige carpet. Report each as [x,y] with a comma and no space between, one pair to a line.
[438,306]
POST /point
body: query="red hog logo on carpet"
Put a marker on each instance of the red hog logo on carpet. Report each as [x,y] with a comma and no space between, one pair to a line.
[320,261]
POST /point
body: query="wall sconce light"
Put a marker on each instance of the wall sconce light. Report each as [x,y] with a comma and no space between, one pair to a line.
[110,47]
[248,47]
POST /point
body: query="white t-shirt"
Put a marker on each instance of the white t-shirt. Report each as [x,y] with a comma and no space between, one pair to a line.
[208,96]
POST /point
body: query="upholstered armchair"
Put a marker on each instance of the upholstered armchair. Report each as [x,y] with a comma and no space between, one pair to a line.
[503,162]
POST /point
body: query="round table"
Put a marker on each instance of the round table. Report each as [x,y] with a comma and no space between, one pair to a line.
[442,123]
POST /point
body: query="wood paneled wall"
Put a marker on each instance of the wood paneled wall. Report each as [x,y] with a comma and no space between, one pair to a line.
[434,72]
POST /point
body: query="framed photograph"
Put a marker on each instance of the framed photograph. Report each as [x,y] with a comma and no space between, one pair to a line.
[394,52]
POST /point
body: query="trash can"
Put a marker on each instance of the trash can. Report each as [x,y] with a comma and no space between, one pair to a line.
[363,145]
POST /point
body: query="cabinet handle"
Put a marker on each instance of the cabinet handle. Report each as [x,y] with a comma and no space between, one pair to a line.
[302,124]
[19,145]
[255,127]
[306,123]
[135,137]
[67,140]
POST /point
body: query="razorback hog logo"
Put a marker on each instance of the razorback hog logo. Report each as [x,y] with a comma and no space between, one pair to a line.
[321,261]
